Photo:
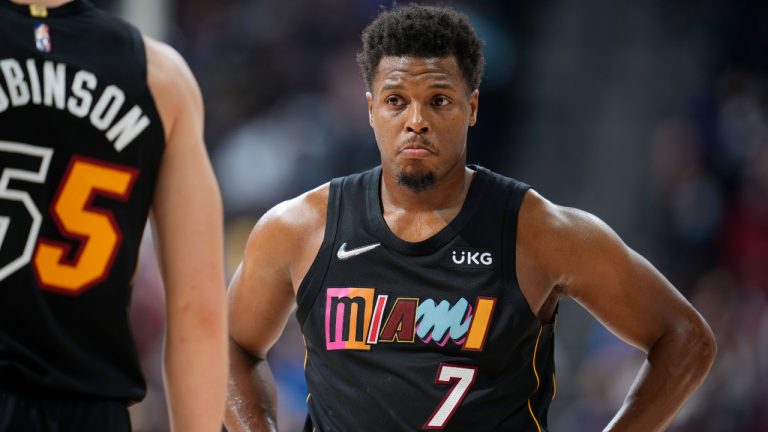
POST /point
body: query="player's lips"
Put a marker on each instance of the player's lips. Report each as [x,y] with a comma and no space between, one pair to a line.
[417,148]
[416,152]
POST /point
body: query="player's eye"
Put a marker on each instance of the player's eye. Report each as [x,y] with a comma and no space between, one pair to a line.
[393,100]
[440,101]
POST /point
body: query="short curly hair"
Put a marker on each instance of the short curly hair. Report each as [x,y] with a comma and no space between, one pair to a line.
[422,31]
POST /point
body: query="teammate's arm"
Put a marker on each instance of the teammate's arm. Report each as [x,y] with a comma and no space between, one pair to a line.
[262,296]
[187,223]
[575,254]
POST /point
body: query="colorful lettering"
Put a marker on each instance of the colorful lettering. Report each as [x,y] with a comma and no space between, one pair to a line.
[400,323]
[480,320]
[443,321]
[354,321]
[347,317]
[378,313]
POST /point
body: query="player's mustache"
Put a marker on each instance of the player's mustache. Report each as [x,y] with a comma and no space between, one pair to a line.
[420,141]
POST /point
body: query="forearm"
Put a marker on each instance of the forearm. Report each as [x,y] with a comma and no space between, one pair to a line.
[196,370]
[251,395]
[675,367]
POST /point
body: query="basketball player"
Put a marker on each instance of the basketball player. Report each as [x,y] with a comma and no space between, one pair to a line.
[98,128]
[426,289]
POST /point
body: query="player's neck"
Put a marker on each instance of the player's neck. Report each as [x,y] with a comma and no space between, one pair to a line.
[46,3]
[447,193]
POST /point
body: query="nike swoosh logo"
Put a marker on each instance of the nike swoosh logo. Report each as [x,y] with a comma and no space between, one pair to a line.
[343,254]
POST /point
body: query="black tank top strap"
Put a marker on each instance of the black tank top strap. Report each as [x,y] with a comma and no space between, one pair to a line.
[515,193]
[139,53]
[310,285]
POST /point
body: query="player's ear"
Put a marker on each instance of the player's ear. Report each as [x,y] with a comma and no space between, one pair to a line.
[474,101]
[369,98]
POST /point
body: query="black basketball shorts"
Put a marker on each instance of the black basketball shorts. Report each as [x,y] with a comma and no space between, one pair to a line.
[24,413]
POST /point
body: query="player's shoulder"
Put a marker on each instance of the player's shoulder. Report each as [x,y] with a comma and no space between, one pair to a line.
[547,225]
[545,214]
[297,217]
[166,68]
[173,87]
[164,58]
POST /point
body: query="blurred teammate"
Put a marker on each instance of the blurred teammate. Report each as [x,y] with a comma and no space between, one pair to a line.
[426,289]
[100,127]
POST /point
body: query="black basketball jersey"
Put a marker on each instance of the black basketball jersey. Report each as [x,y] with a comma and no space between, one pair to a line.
[80,148]
[434,335]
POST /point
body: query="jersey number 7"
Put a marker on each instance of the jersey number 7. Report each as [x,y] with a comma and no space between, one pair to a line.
[462,378]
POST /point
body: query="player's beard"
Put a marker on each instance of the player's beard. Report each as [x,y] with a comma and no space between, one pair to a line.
[417,181]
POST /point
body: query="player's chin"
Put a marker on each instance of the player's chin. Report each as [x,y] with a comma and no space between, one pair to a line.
[415,167]
[418,177]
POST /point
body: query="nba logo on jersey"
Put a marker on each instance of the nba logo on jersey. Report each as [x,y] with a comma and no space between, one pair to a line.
[42,38]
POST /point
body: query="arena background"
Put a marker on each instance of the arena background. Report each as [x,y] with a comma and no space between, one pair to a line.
[653,115]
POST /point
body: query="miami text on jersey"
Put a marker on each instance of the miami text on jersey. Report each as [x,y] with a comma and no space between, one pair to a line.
[46,85]
[355,319]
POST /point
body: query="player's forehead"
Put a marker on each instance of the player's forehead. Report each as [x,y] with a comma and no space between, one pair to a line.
[402,71]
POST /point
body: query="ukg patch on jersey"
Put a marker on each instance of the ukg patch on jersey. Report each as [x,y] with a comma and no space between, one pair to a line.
[473,258]
[42,38]
[352,321]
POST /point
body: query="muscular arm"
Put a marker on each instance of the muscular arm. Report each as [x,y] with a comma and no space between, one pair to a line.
[262,295]
[187,222]
[572,253]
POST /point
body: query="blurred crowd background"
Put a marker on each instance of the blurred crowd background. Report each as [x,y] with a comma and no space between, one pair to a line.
[653,115]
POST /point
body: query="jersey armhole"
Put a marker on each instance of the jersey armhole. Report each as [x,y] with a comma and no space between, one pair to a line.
[517,193]
[139,53]
[311,284]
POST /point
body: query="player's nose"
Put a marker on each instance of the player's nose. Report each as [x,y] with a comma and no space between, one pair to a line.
[415,121]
